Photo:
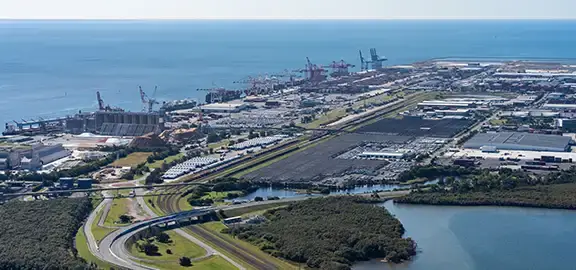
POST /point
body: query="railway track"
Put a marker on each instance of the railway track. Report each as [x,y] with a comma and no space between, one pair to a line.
[171,203]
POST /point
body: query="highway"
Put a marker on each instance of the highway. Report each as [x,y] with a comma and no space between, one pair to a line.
[106,188]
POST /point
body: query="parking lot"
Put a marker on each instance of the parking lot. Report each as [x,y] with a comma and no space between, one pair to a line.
[319,161]
[416,126]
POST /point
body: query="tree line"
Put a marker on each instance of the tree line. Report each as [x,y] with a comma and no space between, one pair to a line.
[39,234]
[219,185]
[503,187]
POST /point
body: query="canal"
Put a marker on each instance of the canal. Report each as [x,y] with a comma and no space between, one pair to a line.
[265,192]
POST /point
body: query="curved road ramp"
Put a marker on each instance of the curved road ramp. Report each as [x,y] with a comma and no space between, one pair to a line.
[112,248]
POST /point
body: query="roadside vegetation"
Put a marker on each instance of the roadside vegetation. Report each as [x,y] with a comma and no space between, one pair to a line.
[329,233]
[81,244]
[39,234]
[505,187]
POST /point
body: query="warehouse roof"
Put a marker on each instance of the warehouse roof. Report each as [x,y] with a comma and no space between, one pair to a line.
[518,138]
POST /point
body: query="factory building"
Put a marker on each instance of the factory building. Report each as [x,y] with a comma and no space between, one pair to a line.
[33,158]
[223,107]
[119,123]
[519,141]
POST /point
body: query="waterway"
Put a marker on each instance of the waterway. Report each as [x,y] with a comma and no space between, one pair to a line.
[289,193]
[478,238]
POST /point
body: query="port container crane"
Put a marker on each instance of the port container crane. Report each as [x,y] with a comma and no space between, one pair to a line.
[340,68]
[314,73]
[376,60]
[103,107]
[148,102]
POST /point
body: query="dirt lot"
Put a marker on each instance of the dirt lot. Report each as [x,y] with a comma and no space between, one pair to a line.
[415,126]
[319,161]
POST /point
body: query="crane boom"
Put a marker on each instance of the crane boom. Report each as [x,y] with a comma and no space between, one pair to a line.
[100,101]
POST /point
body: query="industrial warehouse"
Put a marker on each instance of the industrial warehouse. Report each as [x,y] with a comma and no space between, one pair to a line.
[519,141]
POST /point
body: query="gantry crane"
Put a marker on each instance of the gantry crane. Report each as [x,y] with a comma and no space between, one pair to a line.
[103,107]
[148,102]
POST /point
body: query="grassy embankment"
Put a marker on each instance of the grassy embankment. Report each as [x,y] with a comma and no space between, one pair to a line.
[119,207]
[99,232]
[132,159]
[152,203]
[254,210]
[81,244]
[219,144]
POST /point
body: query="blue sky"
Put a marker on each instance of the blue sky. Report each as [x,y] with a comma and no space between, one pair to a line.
[288,9]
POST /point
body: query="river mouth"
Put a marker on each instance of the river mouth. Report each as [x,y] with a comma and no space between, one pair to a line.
[485,237]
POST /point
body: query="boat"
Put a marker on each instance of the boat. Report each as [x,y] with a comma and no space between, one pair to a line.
[175,105]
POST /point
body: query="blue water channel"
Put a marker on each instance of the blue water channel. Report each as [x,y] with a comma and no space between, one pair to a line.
[288,193]
[485,238]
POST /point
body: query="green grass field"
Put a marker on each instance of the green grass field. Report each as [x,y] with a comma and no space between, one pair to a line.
[84,252]
[158,163]
[98,231]
[498,122]
[219,144]
[327,118]
[180,247]
[155,208]
[119,207]
[132,160]
[210,263]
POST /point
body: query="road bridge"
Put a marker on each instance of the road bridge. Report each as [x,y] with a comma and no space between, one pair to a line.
[106,188]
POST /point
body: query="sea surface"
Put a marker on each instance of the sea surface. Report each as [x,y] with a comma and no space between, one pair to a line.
[54,68]
[485,238]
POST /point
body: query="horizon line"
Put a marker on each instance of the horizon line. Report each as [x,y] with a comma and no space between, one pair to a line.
[290,19]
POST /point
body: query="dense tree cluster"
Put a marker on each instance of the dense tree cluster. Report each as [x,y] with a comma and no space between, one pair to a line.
[39,234]
[504,187]
[559,196]
[162,154]
[220,185]
[432,171]
[329,233]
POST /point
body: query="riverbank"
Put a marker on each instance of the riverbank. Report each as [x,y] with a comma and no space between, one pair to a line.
[557,196]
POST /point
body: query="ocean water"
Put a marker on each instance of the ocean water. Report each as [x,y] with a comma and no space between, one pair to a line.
[54,68]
